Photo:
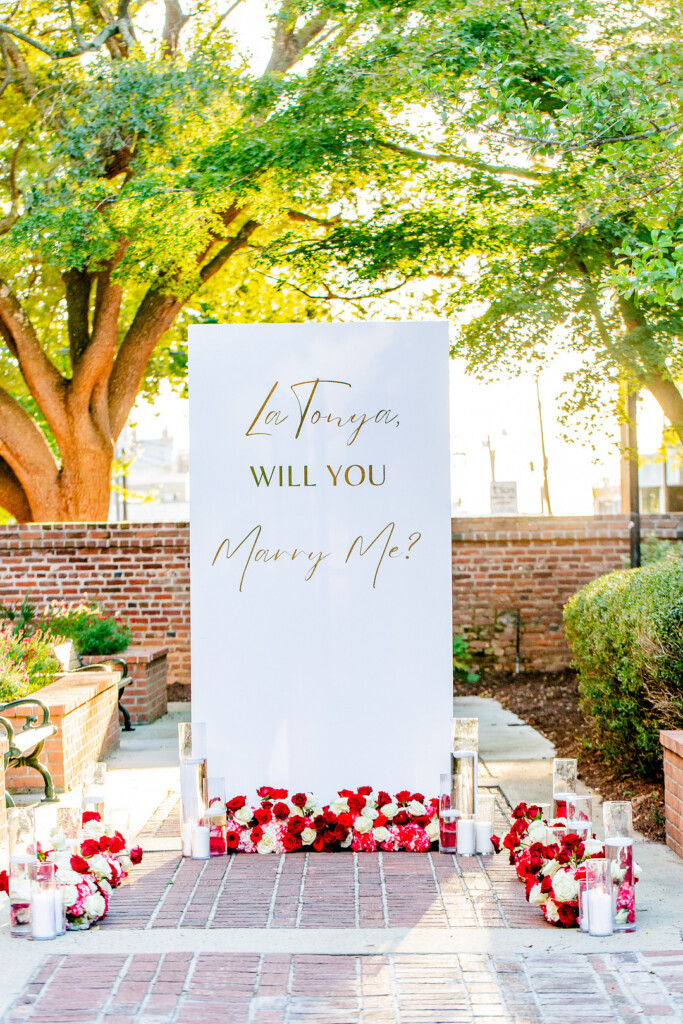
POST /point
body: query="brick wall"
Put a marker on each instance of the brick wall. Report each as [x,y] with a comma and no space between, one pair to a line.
[145,698]
[528,567]
[84,707]
[672,742]
[501,567]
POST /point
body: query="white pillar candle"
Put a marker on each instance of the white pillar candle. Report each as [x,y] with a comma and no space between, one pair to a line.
[43,914]
[187,839]
[484,832]
[466,841]
[201,848]
[600,920]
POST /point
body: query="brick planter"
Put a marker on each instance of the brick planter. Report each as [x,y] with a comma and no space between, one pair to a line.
[83,706]
[672,742]
[145,697]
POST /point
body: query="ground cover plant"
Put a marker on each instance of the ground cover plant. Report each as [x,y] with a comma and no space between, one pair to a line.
[27,661]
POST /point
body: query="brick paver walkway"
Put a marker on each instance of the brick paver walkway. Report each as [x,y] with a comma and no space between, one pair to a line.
[187,988]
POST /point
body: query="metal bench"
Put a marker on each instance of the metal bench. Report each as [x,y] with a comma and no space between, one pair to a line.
[113,665]
[26,744]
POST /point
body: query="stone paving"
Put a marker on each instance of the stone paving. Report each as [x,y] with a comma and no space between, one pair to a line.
[210,988]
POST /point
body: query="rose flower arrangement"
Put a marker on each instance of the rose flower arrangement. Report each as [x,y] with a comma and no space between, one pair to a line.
[551,867]
[359,820]
[87,872]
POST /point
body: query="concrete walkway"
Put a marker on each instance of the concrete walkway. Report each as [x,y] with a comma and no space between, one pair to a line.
[344,938]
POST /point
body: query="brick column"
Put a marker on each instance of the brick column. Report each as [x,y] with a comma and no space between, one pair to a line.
[672,742]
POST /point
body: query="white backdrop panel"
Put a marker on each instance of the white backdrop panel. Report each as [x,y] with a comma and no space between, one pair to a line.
[320,554]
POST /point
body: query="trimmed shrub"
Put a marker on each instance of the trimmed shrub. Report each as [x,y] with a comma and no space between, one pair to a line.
[626,634]
[91,630]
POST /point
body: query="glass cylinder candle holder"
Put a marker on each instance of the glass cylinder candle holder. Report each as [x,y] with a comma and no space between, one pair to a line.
[465,760]
[583,904]
[21,875]
[216,816]
[599,897]
[486,806]
[618,823]
[466,839]
[200,839]
[191,740]
[43,902]
[580,814]
[565,771]
[448,813]
[69,824]
[193,798]
[119,818]
[94,788]
[21,827]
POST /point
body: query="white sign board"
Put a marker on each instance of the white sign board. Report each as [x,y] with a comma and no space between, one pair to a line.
[321,554]
[503,497]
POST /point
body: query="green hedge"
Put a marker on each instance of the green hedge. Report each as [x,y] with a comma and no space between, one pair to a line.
[626,634]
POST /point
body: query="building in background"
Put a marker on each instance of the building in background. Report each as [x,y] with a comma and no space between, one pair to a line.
[154,483]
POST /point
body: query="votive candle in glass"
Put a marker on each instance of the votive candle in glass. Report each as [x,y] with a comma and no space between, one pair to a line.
[21,827]
[201,840]
[599,897]
[21,876]
[94,788]
[579,814]
[466,841]
[216,816]
[448,813]
[618,824]
[193,797]
[43,916]
[465,761]
[565,772]
[486,805]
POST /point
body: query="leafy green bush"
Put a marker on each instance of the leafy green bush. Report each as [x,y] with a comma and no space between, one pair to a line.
[463,669]
[27,662]
[91,631]
[626,634]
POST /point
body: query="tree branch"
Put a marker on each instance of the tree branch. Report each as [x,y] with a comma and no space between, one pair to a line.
[23,447]
[12,495]
[228,250]
[8,221]
[465,161]
[77,284]
[288,43]
[94,44]
[306,218]
[174,22]
[42,377]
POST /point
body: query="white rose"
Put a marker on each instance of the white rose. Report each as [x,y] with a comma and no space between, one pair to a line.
[244,814]
[58,840]
[345,843]
[370,812]
[293,809]
[94,905]
[432,829]
[551,911]
[592,846]
[381,834]
[95,829]
[565,886]
[99,865]
[550,868]
[69,895]
[307,836]
[618,874]
[390,811]
[362,824]
[20,890]
[537,897]
[538,833]
[339,806]
[416,808]
[267,843]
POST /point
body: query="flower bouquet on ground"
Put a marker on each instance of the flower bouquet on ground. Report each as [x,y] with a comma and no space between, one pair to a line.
[551,864]
[359,820]
[87,871]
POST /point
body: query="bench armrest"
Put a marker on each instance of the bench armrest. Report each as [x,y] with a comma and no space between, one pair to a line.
[31,720]
[9,728]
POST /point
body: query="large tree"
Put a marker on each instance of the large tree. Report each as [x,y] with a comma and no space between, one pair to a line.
[551,204]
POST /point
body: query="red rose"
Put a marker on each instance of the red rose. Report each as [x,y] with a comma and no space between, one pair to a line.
[281,811]
[299,799]
[546,884]
[495,843]
[264,792]
[419,797]
[217,845]
[117,843]
[383,798]
[357,803]
[520,811]
[296,825]
[346,793]
[279,794]
[4,882]
[551,851]
[403,797]
[290,842]
[379,821]
[329,817]
[256,834]
[345,819]
[341,833]
[90,816]
[236,803]
[105,843]
[519,826]
[232,839]
[318,844]
[319,822]
[420,819]
[89,847]
[330,837]
[567,914]
[533,811]
[136,855]
[402,818]
[263,815]
[529,884]
[365,790]
[564,856]
[80,864]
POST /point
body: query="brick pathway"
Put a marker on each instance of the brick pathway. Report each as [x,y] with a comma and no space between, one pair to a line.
[187,988]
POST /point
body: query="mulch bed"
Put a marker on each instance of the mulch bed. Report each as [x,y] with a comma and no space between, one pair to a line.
[549,701]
